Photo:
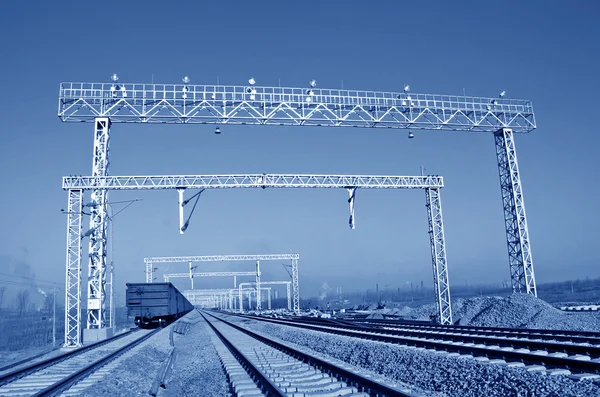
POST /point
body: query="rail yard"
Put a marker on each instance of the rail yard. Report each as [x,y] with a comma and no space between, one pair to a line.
[279,353]
[243,199]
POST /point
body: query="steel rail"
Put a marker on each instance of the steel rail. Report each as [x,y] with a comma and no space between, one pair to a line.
[11,376]
[67,382]
[373,387]
[562,335]
[264,383]
[30,358]
[376,324]
[438,344]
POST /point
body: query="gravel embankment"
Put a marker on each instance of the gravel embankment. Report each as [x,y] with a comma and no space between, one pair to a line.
[517,310]
[136,370]
[454,377]
[197,370]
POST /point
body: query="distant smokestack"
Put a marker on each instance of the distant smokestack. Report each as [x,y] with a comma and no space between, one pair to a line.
[376,287]
[421,284]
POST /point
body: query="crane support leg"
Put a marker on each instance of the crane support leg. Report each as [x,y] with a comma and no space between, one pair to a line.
[96,301]
[438,255]
[295,286]
[73,276]
[517,235]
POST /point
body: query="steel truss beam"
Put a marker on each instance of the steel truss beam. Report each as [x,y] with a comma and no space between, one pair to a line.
[73,276]
[438,256]
[166,277]
[251,181]
[221,258]
[188,104]
[517,234]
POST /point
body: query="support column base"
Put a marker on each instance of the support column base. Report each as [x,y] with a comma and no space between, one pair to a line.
[96,334]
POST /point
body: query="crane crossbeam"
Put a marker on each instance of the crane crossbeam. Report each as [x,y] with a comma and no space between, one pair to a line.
[250,181]
[283,106]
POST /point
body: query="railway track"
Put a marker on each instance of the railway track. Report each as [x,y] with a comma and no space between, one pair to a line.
[64,373]
[571,337]
[558,335]
[257,366]
[539,354]
[16,364]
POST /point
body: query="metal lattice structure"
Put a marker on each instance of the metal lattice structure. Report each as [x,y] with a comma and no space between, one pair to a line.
[517,233]
[169,276]
[223,298]
[251,181]
[260,286]
[247,181]
[191,275]
[438,256]
[103,104]
[73,279]
[189,104]
[96,285]
[294,258]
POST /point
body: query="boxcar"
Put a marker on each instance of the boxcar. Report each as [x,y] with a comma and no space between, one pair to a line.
[155,303]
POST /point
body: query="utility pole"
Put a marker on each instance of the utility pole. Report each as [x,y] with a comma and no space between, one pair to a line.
[54,316]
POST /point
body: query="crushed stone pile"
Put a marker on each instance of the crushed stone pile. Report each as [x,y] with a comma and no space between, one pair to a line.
[521,311]
[514,311]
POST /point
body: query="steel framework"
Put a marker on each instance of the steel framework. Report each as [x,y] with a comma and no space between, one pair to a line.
[259,286]
[251,181]
[166,277]
[264,181]
[96,284]
[216,296]
[187,104]
[73,279]
[103,104]
[517,233]
[438,255]
[294,258]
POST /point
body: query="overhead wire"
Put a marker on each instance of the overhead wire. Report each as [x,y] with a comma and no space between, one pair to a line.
[30,278]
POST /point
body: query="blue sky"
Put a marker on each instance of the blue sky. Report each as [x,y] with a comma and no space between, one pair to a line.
[545,51]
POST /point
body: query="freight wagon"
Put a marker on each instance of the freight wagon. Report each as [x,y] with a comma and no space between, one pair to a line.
[155,303]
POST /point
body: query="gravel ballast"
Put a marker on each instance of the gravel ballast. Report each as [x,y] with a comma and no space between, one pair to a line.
[136,370]
[197,370]
[454,377]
